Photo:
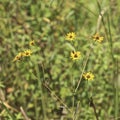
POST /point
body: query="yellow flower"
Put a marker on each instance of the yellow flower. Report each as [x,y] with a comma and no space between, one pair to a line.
[75,55]
[70,36]
[32,43]
[88,76]
[98,38]
[18,57]
[27,52]
[21,54]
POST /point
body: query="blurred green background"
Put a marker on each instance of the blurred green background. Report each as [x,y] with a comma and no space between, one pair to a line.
[33,83]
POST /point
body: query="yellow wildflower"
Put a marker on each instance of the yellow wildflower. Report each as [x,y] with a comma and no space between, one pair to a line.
[18,56]
[27,52]
[70,36]
[75,55]
[32,43]
[88,76]
[21,54]
[98,38]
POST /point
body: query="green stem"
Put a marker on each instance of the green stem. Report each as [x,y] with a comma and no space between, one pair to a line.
[82,71]
[109,38]
[42,94]
[94,107]
[117,92]
[116,101]
[60,100]
[116,70]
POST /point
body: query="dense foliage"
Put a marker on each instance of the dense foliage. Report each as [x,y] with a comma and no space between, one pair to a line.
[42,85]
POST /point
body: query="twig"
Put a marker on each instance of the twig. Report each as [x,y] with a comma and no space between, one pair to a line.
[61,101]
[93,106]
[100,18]
[24,114]
[8,106]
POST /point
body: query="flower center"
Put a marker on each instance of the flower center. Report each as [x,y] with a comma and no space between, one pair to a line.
[97,38]
[88,76]
[75,55]
[27,53]
[18,58]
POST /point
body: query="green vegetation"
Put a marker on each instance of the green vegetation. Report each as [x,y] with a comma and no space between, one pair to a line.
[43,76]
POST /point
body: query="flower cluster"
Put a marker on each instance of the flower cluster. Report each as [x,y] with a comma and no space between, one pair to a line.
[20,55]
[25,53]
[76,55]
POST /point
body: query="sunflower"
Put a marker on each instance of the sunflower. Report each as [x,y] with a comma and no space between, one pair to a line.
[75,55]
[98,38]
[32,43]
[18,56]
[88,76]
[70,36]
[27,52]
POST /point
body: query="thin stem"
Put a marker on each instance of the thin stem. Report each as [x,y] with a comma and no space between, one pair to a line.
[73,105]
[116,70]
[24,114]
[93,106]
[60,100]
[84,66]
[76,111]
[100,19]
[85,7]
[109,38]
[10,114]
[117,92]
[103,22]
[116,101]
[42,96]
